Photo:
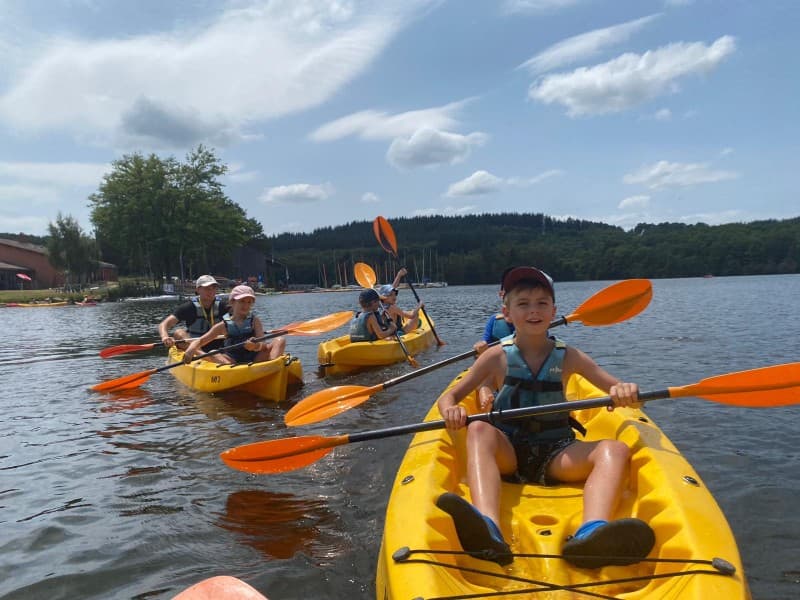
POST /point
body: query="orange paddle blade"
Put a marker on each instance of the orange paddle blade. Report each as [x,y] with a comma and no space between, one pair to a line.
[320,324]
[614,304]
[385,235]
[766,387]
[278,456]
[124,349]
[124,383]
[328,403]
[365,276]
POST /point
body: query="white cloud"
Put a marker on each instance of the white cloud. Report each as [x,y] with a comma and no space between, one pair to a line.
[663,114]
[585,45]
[678,2]
[482,182]
[525,182]
[536,6]
[726,151]
[198,84]
[431,147]
[66,174]
[237,173]
[629,79]
[297,193]
[446,211]
[663,174]
[640,201]
[370,198]
[379,125]
[479,183]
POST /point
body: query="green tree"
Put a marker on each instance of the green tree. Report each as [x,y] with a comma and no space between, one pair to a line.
[162,217]
[70,250]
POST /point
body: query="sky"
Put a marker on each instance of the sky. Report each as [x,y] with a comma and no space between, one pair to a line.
[333,111]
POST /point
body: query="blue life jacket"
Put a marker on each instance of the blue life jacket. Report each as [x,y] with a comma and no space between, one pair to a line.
[521,388]
[501,328]
[204,320]
[358,327]
[236,334]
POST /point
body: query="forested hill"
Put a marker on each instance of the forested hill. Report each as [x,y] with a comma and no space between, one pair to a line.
[474,249]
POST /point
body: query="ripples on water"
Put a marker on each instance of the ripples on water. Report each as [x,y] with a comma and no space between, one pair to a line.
[124,496]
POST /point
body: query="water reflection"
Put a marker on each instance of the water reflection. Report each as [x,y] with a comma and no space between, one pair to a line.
[279,525]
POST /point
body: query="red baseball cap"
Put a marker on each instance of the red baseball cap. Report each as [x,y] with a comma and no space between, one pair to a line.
[518,274]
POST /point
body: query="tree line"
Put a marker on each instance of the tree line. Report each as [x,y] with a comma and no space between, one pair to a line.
[475,249]
[159,217]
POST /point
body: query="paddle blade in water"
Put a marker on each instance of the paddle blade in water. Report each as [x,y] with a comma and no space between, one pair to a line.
[328,403]
[124,383]
[281,455]
[614,304]
[365,276]
[385,235]
[766,387]
[124,349]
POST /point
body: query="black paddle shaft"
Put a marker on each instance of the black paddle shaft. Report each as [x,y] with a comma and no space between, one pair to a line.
[500,415]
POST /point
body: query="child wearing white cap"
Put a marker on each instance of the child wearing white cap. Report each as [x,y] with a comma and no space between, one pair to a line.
[388,295]
[199,314]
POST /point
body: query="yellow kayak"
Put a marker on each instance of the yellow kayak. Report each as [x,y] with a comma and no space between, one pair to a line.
[269,380]
[36,304]
[420,556]
[340,356]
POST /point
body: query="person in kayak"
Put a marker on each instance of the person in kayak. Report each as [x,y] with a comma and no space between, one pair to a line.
[240,327]
[370,324]
[531,369]
[497,326]
[388,295]
[199,315]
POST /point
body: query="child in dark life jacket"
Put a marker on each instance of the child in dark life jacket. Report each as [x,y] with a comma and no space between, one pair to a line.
[239,327]
[370,324]
[532,369]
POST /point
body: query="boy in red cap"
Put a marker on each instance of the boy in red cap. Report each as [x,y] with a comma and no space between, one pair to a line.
[532,369]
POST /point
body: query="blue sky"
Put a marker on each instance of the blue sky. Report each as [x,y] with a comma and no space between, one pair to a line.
[335,111]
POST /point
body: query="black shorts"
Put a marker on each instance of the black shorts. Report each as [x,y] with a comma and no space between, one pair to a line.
[240,355]
[534,458]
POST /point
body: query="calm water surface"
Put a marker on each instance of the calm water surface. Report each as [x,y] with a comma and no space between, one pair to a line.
[124,496]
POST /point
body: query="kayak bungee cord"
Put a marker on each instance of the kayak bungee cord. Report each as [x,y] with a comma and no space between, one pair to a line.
[402,555]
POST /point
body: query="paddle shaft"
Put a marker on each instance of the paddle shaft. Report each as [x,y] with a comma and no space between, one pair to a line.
[449,361]
[382,226]
[502,415]
[146,374]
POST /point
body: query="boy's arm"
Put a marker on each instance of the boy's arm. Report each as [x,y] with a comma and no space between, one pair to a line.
[164,327]
[485,369]
[208,336]
[400,274]
[578,362]
[375,328]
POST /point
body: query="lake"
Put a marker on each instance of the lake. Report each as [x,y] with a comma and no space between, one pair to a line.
[124,496]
